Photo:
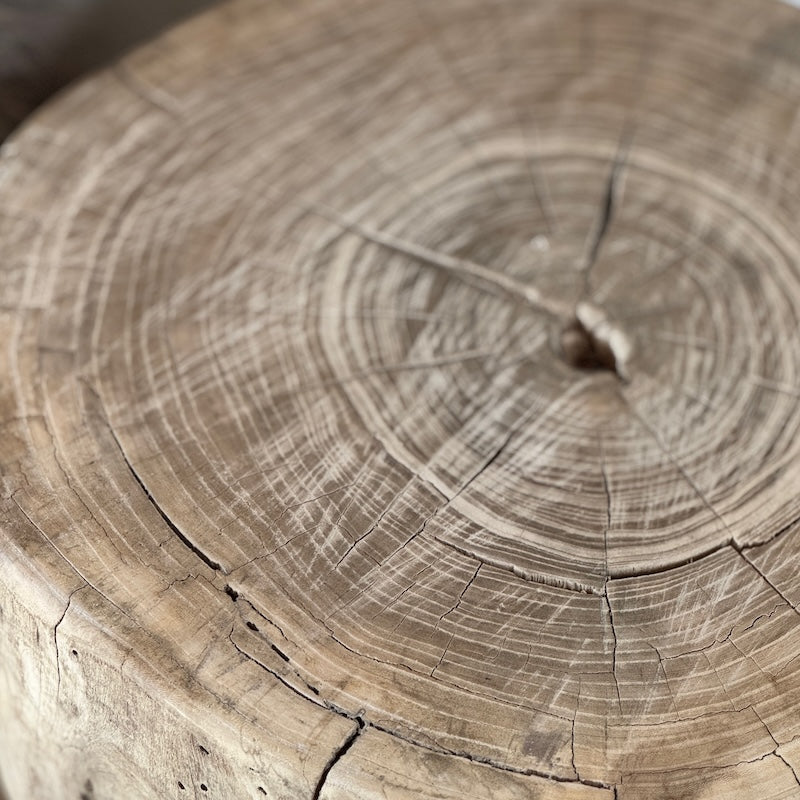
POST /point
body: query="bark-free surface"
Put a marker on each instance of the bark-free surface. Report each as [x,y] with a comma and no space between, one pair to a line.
[401,400]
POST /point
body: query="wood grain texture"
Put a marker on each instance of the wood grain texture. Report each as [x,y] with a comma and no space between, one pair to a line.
[401,400]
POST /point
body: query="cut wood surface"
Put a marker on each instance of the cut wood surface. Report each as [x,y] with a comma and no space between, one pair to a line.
[402,400]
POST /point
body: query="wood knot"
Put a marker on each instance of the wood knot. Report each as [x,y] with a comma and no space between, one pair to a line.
[591,341]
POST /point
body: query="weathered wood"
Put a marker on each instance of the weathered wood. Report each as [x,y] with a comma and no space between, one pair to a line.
[401,400]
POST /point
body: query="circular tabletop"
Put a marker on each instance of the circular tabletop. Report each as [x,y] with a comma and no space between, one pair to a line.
[402,400]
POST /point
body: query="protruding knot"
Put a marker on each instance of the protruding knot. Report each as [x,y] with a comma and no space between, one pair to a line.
[593,341]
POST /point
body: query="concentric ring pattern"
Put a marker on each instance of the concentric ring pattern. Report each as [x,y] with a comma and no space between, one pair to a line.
[422,379]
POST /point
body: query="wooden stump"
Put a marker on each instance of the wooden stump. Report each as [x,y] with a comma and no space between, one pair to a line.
[401,400]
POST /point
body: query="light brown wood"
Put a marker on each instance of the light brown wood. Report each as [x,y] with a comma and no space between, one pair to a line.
[401,400]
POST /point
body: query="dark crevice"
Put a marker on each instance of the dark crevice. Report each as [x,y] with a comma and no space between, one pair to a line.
[170,524]
[607,208]
[794,774]
[279,653]
[614,650]
[337,756]
[269,622]
[215,565]
[584,350]
[572,749]
[605,216]
[231,592]
[286,683]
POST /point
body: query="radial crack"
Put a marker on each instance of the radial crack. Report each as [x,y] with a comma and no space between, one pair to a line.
[720,681]
[766,727]
[513,430]
[607,490]
[606,210]
[55,635]
[461,595]
[150,94]
[614,647]
[794,774]
[467,271]
[686,476]
[337,756]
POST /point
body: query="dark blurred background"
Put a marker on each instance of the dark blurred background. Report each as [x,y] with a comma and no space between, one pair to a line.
[45,44]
